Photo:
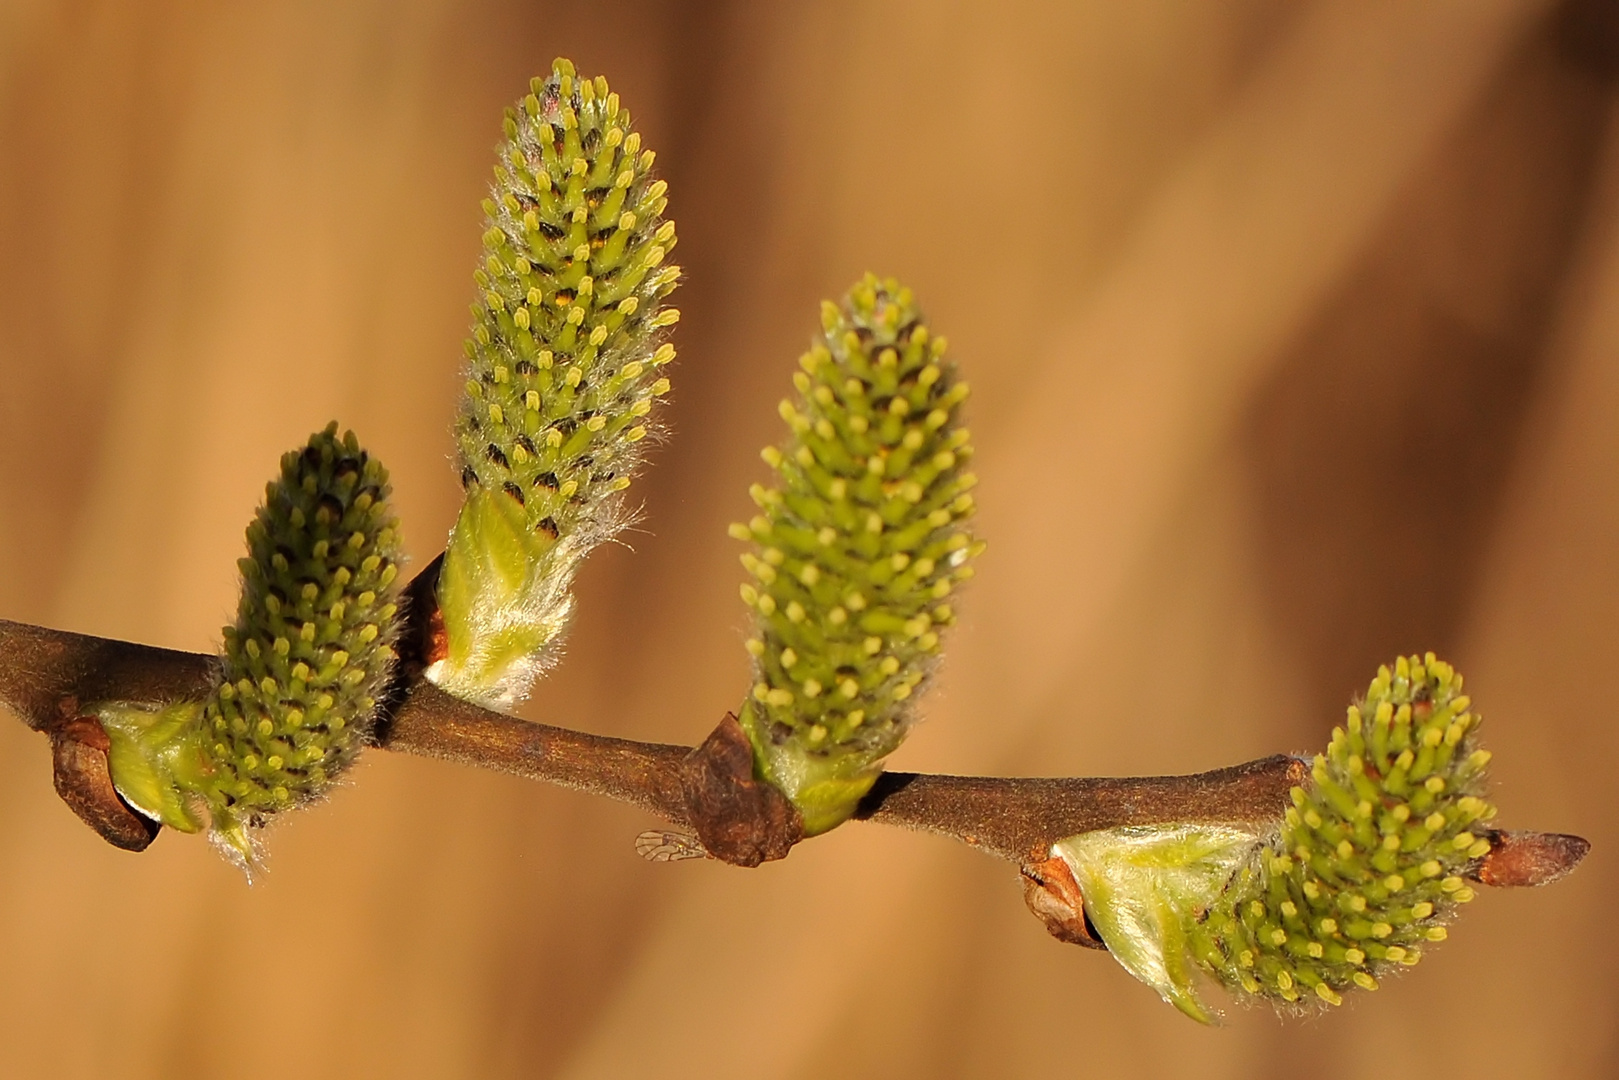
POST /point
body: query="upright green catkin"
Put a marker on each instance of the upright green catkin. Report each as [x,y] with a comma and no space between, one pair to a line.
[302,667]
[1370,861]
[563,366]
[857,548]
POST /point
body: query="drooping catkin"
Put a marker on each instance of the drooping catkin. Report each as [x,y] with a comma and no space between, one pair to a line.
[857,548]
[1370,862]
[565,362]
[302,667]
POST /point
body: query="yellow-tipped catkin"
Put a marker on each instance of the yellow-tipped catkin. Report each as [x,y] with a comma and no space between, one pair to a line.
[302,668]
[857,549]
[1369,864]
[565,363]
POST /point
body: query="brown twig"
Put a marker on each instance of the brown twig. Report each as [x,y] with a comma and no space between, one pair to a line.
[45,673]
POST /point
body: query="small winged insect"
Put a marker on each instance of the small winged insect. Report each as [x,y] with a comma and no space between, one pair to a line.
[669,845]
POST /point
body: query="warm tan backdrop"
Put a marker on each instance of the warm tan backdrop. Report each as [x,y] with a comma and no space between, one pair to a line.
[1294,328]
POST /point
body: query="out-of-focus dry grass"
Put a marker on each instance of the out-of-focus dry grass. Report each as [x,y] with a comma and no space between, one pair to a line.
[1294,329]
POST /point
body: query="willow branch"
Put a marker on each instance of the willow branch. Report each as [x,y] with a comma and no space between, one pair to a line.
[45,674]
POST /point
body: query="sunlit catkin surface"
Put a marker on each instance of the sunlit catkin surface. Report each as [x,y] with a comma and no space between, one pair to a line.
[1292,328]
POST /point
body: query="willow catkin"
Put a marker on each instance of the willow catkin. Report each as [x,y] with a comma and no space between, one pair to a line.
[1369,864]
[302,667]
[1363,872]
[857,548]
[564,364]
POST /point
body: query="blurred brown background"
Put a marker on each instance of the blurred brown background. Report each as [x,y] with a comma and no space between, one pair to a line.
[1294,331]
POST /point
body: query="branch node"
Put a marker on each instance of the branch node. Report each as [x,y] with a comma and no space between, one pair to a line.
[739,818]
[79,748]
[1053,895]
